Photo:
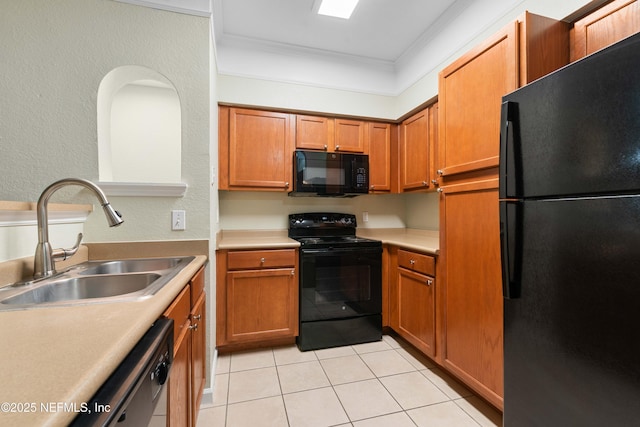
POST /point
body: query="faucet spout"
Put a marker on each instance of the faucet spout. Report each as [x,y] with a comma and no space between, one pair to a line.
[44,259]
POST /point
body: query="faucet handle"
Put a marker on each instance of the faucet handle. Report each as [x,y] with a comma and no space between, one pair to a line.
[62,254]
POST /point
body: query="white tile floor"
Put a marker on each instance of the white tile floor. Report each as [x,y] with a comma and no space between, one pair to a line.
[383,384]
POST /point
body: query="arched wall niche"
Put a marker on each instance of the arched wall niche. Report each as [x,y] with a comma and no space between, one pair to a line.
[139,134]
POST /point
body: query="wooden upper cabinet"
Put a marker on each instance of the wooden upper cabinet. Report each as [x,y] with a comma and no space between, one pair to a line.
[350,136]
[414,152]
[379,136]
[255,150]
[314,133]
[471,89]
[607,25]
[330,134]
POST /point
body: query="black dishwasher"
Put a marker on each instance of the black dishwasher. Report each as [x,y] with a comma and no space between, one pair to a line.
[135,394]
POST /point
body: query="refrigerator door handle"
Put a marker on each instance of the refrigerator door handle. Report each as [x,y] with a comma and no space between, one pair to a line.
[511,248]
[508,150]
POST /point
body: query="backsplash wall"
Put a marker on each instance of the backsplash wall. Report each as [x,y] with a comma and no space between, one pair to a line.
[241,210]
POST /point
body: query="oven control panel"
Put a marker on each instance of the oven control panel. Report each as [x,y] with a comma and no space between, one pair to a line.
[322,220]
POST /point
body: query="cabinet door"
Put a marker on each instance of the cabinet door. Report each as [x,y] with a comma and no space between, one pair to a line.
[470,252]
[414,152]
[179,384]
[607,25]
[379,135]
[198,354]
[261,304]
[350,136]
[416,310]
[260,150]
[469,95]
[314,133]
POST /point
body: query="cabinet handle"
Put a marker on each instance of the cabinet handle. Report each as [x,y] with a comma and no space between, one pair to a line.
[196,316]
[372,187]
[424,183]
[337,147]
[194,327]
[262,260]
[293,272]
[440,172]
[326,146]
[286,184]
[434,181]
[440,190]
[429,282]
[412,261]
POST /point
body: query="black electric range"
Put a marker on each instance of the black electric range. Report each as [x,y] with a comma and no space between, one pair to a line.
[340,281]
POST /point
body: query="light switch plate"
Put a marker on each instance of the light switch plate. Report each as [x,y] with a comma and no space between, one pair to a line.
[178,220]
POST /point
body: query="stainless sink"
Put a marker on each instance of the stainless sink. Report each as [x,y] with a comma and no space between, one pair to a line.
[131,265]
[82,288]
[94,282]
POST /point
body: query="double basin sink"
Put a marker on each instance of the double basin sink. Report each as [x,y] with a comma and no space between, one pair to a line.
[94,282]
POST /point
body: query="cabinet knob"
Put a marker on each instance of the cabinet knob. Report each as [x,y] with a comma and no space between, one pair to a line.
[440,190]
[286,184]
[434,181]
[425,183]
[440,172]
[293,272]
[429,282]
[262,260]
[337,147]
[326,146]
[412,261]
[196,316]
[194,327]
[372,187]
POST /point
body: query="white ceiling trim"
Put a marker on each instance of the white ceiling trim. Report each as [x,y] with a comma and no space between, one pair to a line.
[189,7]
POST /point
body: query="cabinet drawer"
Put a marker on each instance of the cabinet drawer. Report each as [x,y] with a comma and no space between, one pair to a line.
[247,260]
[179,311]
[417,262]
[197,286]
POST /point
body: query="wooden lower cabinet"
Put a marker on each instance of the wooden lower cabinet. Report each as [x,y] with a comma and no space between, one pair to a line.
[472,329]
[412,299]
[257,297]
[198,347]
[188,371]
[178,404]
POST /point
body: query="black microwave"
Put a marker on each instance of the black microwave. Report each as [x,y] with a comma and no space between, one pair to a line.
[318,173]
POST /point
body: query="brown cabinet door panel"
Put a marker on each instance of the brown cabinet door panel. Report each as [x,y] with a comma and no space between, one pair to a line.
[261,304]
[260,149]
[470,91]
[379,156]
[414,152]
[314,133]
[416,310]
[473,295]
[607,25]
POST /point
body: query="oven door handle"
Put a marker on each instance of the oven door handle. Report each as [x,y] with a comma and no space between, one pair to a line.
[333,251]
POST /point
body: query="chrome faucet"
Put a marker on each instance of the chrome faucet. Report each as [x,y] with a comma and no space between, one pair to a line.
[45,257]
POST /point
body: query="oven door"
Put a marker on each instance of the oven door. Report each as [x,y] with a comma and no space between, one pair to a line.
[340,283]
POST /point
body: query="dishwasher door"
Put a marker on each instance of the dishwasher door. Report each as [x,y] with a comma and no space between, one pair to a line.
[135,394]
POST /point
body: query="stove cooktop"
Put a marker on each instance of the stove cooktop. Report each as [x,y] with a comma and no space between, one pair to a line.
[324,230]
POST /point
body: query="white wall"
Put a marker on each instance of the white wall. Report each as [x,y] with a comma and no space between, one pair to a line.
[54,56]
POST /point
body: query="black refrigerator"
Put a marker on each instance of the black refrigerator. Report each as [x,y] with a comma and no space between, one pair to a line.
[570,237]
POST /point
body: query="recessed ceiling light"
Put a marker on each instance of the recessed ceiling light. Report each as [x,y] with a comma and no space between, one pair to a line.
[337,8]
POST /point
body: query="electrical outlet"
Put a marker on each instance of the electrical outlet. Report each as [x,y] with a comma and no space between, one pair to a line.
[178,220]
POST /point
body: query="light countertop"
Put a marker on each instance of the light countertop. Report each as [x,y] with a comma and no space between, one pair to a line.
[427,241]
[62,355]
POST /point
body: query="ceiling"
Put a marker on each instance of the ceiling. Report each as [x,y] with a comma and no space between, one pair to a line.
[382,30]
[386,47]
